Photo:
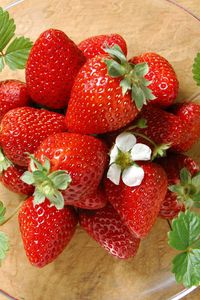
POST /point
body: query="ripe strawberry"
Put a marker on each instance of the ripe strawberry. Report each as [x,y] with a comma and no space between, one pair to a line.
[97,104]
[24,128]
[67,162]
[172,165]
[45,230]
[107,229]
[139,206]
[51,68]
[13,94]
[189,113]
[164,82]
[162,127]
[95,45]
[95,200]
[11,179]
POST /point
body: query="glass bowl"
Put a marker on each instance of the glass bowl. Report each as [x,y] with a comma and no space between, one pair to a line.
[84,271]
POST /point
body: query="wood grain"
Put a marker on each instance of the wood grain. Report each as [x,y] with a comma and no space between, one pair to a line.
[84,271]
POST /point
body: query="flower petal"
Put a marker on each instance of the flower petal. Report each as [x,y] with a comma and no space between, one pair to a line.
[140,152]
[114,173]
[125,141]
[114,153]
[133,176]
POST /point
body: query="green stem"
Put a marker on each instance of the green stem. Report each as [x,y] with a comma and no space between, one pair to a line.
[146,138]
[12,214]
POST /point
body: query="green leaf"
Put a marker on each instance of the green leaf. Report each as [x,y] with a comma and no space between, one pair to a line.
[116,52]
[185,230]
[148,93]
[196,69]
[2,212]
[186,267]
[176,188]
[17,53]
[114,68]
[196,197]
[125,85]
[27,177]
[35,164]
[141,69]
[57,200]
[5,163]
[1,63]
[185,176]
[138,96]
[39,197]
[61,179]
[47,165]
[7,29]
[196,181]
[4,245]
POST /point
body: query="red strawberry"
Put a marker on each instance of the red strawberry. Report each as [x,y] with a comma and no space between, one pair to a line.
[189,113]
[72,163]
[24,128]
[164,82]
[107,229]
[172,165]
[13,94]
[162,127]
[95,200]
[139,206]
[51,68]
[11,178]
[97,104]
[45,230]
[95,45]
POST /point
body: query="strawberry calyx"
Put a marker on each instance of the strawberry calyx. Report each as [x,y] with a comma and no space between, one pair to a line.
[188,189]
[47,184]
[5,163]
[133,76]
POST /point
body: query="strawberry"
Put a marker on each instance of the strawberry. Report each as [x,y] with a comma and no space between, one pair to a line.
[51,68]
[95,45]
[189,113]
[162,127]
[139,206]
[95,200]
[164,82]
[13,93]
[172,165]
[107,93]
[107,229]
[67,162]
[11,179]
[45,230]
[24,128]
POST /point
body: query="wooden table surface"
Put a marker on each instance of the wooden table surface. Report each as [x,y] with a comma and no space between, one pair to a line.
[84,271]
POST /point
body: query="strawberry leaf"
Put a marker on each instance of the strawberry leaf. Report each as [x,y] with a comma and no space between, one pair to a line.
[17,53]
[5,163]
[133,76]
[4,245]
[185,230]
[47,185]
[196,69]
[186,267]
[185,237]
[1,63]
[7,29]
[2,212]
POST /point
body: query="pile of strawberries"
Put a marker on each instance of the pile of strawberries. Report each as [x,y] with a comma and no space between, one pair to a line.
[79,139]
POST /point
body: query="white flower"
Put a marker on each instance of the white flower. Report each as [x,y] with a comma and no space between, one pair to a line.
[122,157]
